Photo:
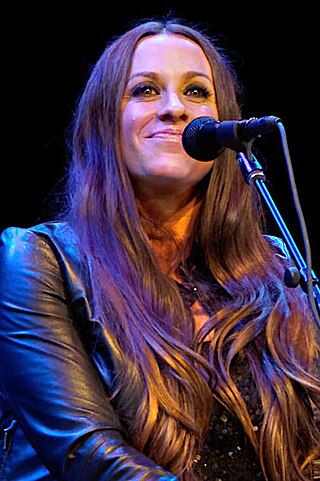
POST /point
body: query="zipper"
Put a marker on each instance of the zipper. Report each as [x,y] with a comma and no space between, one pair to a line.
[8,433]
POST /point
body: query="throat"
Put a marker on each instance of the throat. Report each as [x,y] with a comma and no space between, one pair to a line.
[169,253]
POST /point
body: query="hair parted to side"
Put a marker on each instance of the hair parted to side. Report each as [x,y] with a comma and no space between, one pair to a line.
[140,308]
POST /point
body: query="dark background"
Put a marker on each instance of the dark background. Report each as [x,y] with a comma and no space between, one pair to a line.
[48,52]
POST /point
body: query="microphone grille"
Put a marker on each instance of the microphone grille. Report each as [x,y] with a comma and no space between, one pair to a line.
[195,142]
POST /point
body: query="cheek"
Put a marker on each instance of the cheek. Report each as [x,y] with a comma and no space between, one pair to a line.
[132,121]
[208,111]
[127,135]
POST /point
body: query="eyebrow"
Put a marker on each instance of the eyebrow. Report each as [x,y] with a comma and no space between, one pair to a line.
[189,74]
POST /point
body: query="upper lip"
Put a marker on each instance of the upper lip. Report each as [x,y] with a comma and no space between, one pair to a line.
[169,131]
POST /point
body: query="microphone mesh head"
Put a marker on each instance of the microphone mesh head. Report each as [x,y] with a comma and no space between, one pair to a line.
[196,140]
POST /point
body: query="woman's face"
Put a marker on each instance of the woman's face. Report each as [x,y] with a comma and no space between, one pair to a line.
[169,85]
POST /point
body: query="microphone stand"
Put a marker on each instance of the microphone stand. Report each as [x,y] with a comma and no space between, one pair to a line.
[254,175]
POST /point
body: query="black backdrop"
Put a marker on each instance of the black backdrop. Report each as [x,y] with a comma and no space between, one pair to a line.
[49,50]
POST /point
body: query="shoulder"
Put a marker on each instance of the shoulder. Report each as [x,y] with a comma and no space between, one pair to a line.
[51,244]
[18,242]
[18,245]
[278,245]
[280,250]
[48,253]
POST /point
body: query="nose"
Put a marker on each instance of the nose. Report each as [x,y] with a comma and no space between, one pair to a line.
[172,107]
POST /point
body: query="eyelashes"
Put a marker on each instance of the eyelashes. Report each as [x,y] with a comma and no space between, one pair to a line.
[148,90]
[145,90]
[197,91]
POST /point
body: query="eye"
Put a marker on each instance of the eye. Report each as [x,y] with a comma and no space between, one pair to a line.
[145,90]
[197,91]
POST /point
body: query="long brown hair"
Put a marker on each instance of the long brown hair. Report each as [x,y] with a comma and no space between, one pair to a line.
[141,310]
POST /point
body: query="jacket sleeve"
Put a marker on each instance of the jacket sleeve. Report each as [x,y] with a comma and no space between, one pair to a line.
[47,377]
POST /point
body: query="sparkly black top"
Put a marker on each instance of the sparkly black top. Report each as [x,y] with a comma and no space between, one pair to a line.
[227,454]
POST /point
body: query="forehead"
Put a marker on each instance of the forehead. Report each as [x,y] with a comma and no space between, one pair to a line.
[169,51]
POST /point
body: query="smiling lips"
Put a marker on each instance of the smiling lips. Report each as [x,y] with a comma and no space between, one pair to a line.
[170,135]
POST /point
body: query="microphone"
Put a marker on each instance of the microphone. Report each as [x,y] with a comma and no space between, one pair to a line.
[205,137]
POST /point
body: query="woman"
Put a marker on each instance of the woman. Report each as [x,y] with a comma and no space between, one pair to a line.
[147,333]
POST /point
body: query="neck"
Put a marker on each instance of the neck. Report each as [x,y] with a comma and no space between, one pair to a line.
[168,221]
[173,212]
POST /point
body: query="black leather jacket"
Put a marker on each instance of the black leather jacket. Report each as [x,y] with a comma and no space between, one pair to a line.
[56,420]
